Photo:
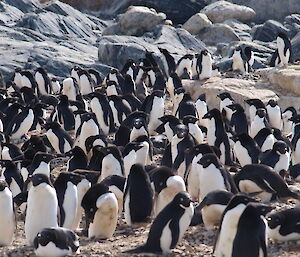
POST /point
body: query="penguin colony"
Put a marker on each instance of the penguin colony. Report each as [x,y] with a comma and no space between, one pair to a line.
[107,130]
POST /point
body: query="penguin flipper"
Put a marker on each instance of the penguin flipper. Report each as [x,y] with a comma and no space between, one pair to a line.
[263,185]
[262,240]
[167,157]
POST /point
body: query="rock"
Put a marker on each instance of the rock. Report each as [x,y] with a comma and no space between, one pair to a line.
[268,31]
[296,47]
[138,19]
[222,10]
[241,29]
[218,33]
[292,23]
[9,13]
[196,23]
[26,6]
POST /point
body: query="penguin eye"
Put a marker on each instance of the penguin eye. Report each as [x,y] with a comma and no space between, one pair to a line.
[161,183]
[92,209]
[181,199]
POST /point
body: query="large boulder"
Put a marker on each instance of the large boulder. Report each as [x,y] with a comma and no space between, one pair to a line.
[218,33]
[222,10]
[292,23]
[268,31]
[9,13]
[296,47]
[196,23]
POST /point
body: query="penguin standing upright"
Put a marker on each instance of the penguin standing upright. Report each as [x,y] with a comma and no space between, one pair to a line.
[254,105]
[284,48]
[274,114]
[64,114]
[169,123]
[41,207]
[7,221]
[191,122]
[129,68]
[217,136]
[287,114]
[186,107]
[139,129]
[202,109]
[43,81]
[70,88]
[169,226]
[204,65]
[78,159]
[40,164]
[96,76]
[86,83]
[238,120]
[241,59]
[56,242]
[184,66]
[226,99]
[173,83]
[138,196]
[171,65]
[265,139]
[55,86]
[259,122]
[101,212]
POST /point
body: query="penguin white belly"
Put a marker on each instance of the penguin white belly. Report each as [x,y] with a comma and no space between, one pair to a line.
[211,215]
[228,231]
[223,153]
[1,126]
[67,146]
[284,58]
[106,217]
[97,109]
[55,87]
[119,195]
[241,154]
[129,160]
[185,63]
[43,168]
[252,112]
[193,182]
[24,126]
[155,114]
[18,80]
[7,221]
[127,215]
[283,163]
[26,82]
[82,187]
[142,154]
[169,132]
[238,63]
[41,211]
[85,85]
[201,108]
[41,83]
[53,139]
[268,144]
[24,173]
[249,186]
[14,187]
[196,132]
[185,220]
[110,166]
[274,114]
[277,237]
[211,132]
[166,239]
[223,105]
[135,133]
[174,151]
[89,128]
[206,67]
[210,180]
[51,250]
[256,125]
[152,76]
[115,113]
[296,154]
[170,88]
[70,205]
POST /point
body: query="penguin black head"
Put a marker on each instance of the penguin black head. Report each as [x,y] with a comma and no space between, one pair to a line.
[241,137]
[69,176]
[3,185]
[275,220]
[75,151]
[214,113]
[236,107]
[181,131]
[138,123]
[255,102]
[260,209]
[272,103]
[239,199]
[159,176]
[203,149]
[202,97]
[182,199]
[189,119]
[179,91]
[42,157]
[38,179]
[52,125]
[204,52]
[295,119]
[209,159]
[18,69]
[169,118]
[282,35]
[114,71]
[261,113]
[280,147]
[88,116]
[224,95]
[110,150]
[43,238]
[158,93]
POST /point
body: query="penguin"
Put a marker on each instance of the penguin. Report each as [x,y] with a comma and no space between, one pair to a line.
[241,60]
[169,226]
[101,212]
[144,155]
[95,162]
[40,164]
[86,83]
[166,185]
[154,106]
[202,109]
[213,176]
[28,95]
[294,172]
[173,83]
[96,76]
[184,66]
[186,107]
[204,65]
[212,207]
[263,180]
[55,86]
[284,47]
[130,69]
[8,219]
[70,88]
[132,101]
[98,140]
[112,162]
[21,124]
[74,72]
[265,139]
[33,145]
[178,96]
[217,136]
[252,223]
[280,137]
[66,190]
[11,174]
[194,130]
[139,129]
[43,81]
[10,152]
[119,109]
[226,99]
[114,75]
[129,154]
[254,105]
[284,225]
[64,114]
[28,80]
[229,225]
[245,149]
[278,158]
[129,85]
[274,114]
[101,107]
[59,139]
[295,139]
[170,61]
[275,59]
[259,122]
[138,196]
[116,184]
[238,120]
[78,159]
[41,207]
[56,242]
[169,123]
[287,114]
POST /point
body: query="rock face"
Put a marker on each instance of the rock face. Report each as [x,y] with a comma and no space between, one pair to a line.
[196,23]
[223,10]
[268,31]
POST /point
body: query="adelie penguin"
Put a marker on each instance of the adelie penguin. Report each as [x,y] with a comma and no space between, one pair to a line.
[226,99]
[186,107]
[274,114]
[78,159]
[254,105]
[40,164]
[86,82]
[169,123]
[42,207]
[278,158]
[56,242]
[130,155]
[173,83]
[169,226]
[184,66]
[139,129]
[287,114]
[194,130]
[284,225]
[101,212]
[43,81]
[242,59]
[284,48]
[202,109]
[204,65]
[138,196]
[8,220]
[70,88]
[263,180]
[259,122]
[65,115]
[238,120]
[265,139]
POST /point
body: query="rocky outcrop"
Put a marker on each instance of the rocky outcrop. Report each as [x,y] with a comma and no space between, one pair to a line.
[268,31]
[196,23]
[222,10]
